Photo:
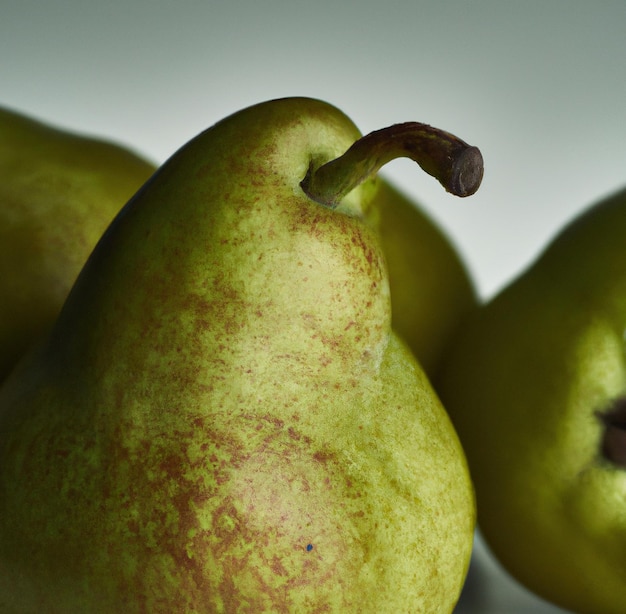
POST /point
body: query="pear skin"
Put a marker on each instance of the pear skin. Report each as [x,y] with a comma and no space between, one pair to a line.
[222,419]
[432,291]
[58,193]
[536,387]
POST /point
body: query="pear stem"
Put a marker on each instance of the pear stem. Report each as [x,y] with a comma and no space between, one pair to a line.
[455,164]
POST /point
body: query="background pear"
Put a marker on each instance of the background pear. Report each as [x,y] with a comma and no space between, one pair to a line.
[222,419]
[536,387]
[58,193]
[431,288]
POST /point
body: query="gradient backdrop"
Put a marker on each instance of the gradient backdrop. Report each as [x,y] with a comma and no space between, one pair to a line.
[539,86]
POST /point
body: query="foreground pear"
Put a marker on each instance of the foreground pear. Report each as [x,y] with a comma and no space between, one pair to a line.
[221,419]
[431,288]
[536,386]
[58,193]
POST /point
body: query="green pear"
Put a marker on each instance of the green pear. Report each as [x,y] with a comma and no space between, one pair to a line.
[58,193]
[221,419]
[432,291]
[536,386]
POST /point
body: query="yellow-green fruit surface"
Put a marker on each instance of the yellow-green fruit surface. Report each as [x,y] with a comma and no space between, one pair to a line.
[222,419]
[536,387]
[431,288]
[58,193]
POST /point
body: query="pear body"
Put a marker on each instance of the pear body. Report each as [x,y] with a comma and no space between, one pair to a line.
[58,193]
[432,291]
[527,386]
[221,419]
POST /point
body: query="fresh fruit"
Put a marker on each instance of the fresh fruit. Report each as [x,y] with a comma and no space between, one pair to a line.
[536,386]
[222,419]
[431,289]
[58,193]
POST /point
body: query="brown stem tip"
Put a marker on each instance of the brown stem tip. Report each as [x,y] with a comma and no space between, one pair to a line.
[455,164]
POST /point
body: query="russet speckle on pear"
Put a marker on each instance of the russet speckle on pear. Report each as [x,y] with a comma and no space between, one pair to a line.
[221,391]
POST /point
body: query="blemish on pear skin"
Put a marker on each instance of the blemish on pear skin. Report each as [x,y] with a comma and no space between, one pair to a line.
[614,437]
[322,457]
[277,567]
[297,436]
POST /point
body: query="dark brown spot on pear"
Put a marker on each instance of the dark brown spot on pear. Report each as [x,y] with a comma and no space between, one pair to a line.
[614,437]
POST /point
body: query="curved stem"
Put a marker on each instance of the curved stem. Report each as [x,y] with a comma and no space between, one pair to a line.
[455,164]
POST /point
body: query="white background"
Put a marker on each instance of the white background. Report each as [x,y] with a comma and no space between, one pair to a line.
[539,86]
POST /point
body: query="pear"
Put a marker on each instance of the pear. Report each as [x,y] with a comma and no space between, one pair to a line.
[432,291]
[58,193]
[536,387]
[222,419]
